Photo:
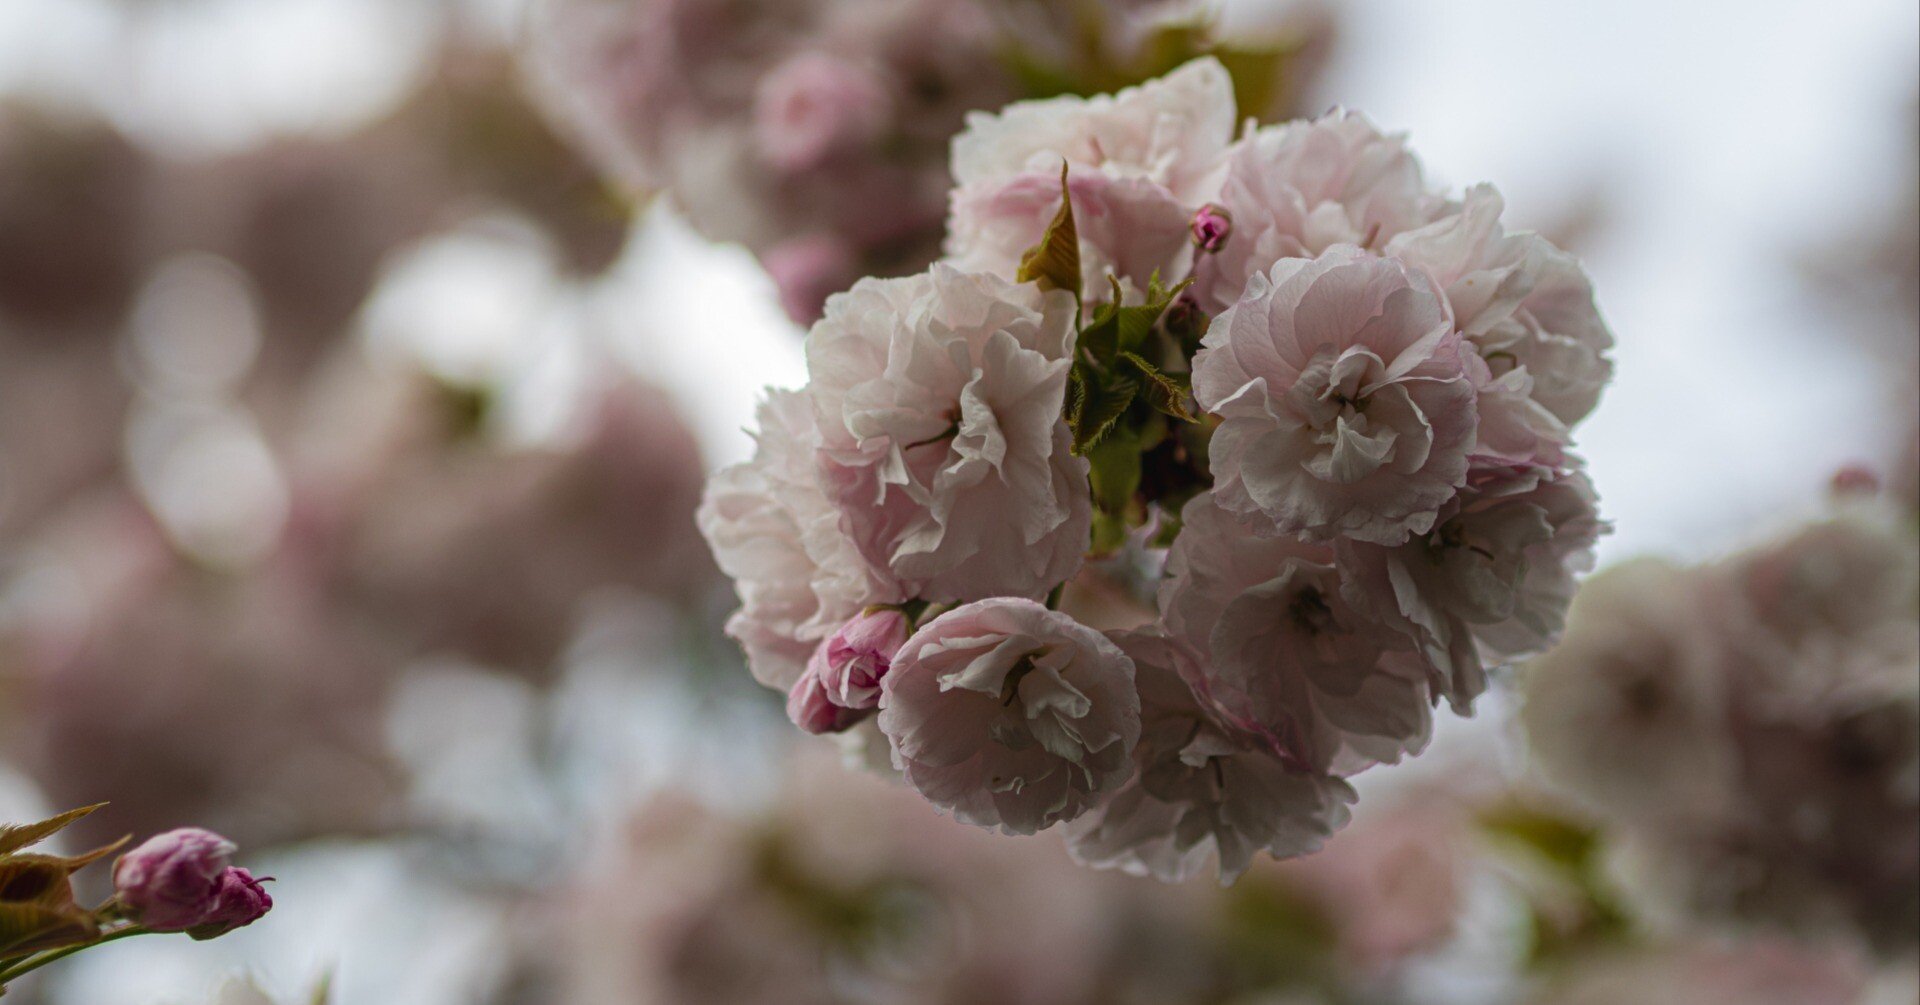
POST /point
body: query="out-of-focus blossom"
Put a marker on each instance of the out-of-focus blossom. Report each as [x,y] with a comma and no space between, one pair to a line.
[73,204]
[1751,729]
[1009,715]
[1764,973]
[774,123]
[500,576]
[1393,883]
[1630,692]
[768,122]
[249,709]
[807,270]
[813,104]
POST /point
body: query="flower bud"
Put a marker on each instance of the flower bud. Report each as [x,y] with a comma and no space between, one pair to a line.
[852,662]
[173,881]
[1211,225]
[241,901]
[810,707]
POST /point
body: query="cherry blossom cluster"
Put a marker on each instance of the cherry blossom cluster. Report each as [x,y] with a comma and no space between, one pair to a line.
[1314,407]
[1748,730]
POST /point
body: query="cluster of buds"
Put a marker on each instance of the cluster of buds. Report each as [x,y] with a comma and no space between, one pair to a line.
[180,881]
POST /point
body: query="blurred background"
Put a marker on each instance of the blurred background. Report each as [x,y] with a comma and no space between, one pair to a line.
[361,362]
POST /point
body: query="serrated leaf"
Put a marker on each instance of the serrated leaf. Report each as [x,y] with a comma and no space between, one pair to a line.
[1166,392]
[1054,263]
[1107,399]
[1100,338]
[1136,323]
[1076,396]
[13,838]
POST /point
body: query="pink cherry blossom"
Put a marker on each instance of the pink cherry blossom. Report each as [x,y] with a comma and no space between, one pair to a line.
[774,532]
[1298,189]
[812,105]
[1009,715]
[939,399]
[1138,164]
[853,662]
[1201,788]
[1490,583]
[1346,403]
[1282,653]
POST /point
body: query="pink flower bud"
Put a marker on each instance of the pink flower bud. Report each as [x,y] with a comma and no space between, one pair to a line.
[813,105]
[241,902]
[1211,225]
[810,708]
[853,661]
[806,270]
[173,881]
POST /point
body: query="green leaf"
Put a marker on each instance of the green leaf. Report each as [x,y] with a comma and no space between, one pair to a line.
[1055,262]
[1166,392]
[14,838]
[1106,397]
[1136,323]
[1100,339]
[1560,841]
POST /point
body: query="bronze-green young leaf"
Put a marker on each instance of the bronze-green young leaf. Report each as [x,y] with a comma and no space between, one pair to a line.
[30,928]
[15,837]
[1166,392]
[1105,397]
[1055,262]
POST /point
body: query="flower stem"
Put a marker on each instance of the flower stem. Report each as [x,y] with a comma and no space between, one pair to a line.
[33,963]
